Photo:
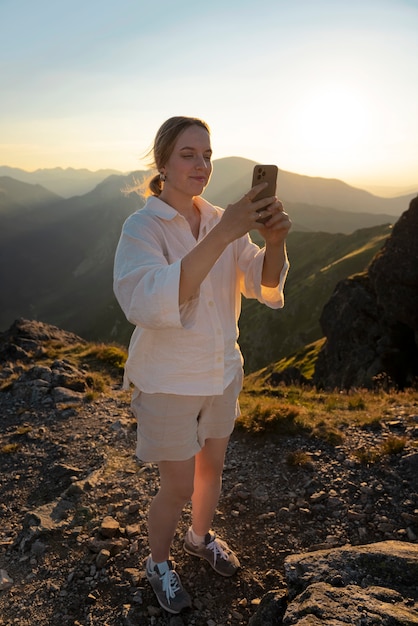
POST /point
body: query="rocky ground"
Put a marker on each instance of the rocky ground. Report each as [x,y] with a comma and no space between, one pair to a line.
[73,505]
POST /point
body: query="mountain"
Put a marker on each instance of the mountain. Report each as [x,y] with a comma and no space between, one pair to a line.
[307,217]
[232,177]
[56,258]
[58,264]
[15,195]
[57,267]
[318,261]
[64,182]
[371,320]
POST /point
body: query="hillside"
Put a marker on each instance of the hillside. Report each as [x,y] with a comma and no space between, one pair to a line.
[56,258]
[64,182]
[232,175]
[329,471]
[19,199]
[318,262]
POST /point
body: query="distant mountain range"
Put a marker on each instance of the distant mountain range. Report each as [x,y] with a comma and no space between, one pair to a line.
[64,182]
[231,177]
[56,254]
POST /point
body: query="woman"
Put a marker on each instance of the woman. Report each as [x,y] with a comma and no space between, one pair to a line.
[181,266]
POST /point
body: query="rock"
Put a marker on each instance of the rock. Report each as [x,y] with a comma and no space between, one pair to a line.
[371,320]
[134,574]
[109,527]
[5,581]
[271,610]
[62,395]
[328,605]
[410,466]
[114,546]
[368,585]
[102,558]
[388,563]
[62,472]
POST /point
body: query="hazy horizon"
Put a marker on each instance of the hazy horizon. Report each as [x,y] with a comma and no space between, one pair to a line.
[383,191]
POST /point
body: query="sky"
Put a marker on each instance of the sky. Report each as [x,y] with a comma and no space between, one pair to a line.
[322,88]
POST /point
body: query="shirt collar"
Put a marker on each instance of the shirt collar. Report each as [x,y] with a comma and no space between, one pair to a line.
[163,210]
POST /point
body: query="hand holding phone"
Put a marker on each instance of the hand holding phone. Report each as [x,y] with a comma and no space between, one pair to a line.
[265,174]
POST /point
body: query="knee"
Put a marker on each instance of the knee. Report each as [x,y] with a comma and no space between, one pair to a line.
[209,474]
[179,493]
[185,492]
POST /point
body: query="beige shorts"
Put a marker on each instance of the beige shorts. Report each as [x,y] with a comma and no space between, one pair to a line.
[174,428]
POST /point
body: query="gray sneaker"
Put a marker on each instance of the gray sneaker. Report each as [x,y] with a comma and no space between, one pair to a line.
[168,589]
[216,552]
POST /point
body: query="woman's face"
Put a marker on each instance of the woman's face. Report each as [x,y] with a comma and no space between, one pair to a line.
[189,167]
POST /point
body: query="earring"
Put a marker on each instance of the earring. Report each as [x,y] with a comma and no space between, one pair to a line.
[162,177]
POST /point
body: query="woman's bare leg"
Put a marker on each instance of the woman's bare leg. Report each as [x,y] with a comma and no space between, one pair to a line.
[176,488]
[209,464]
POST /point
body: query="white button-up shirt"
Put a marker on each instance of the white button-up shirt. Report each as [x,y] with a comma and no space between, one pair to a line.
[190,349]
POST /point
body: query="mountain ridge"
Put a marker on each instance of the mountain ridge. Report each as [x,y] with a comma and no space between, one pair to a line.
[231,177]
[62,181]
[56,263]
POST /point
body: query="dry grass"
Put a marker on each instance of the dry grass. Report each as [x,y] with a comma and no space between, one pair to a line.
[100,365]
[10,448]
[266,409]
[293,409]
[97,356]
[299,458]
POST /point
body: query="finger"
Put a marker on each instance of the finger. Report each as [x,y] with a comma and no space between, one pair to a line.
[254,191]
[278,220]
[263,216]
[265,204]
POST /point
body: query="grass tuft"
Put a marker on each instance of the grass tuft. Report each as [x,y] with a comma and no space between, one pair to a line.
[10,448]
[268,415]
[299,458]
[295,409]
[393,445]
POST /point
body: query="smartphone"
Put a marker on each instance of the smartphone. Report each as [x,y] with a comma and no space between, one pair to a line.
[265,174]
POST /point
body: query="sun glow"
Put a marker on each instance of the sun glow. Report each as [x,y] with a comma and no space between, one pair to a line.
[331,124]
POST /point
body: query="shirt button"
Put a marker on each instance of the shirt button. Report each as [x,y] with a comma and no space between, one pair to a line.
[211,303]
[219,331]
[219,359]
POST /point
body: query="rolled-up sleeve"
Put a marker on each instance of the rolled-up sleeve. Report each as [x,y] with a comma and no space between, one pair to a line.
[250,262]
[145,284]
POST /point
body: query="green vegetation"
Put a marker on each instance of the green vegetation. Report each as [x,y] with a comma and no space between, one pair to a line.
[304,360]
[98,365]
[102,357]
[318,261]
[268,409]
[298,410]
[390,446]
[271,416]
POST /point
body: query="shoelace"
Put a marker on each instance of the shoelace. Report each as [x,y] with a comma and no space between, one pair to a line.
[170,584]
[217,550]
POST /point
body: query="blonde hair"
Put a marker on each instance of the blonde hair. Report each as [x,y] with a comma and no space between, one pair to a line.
[163,146]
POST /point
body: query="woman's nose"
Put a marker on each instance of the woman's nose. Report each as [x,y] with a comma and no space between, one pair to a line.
[201,162]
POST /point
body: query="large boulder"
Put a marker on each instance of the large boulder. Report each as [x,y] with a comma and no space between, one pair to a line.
[371,320]
[367,585]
